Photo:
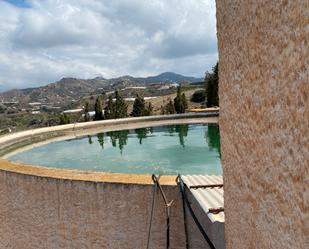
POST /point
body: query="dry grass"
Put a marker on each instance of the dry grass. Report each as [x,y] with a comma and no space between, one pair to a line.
[163,100]
[158,102]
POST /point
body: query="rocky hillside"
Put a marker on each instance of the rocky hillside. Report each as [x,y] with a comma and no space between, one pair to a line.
[70,90]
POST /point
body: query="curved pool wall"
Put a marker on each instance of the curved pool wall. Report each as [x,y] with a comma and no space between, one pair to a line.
[44,207]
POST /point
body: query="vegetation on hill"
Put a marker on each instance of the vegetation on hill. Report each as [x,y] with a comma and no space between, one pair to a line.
[179,105]
[199,96]
[69,90]
[64,119]
[169,108]
[16,119]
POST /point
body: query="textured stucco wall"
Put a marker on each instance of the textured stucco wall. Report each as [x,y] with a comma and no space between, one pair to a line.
[264,121]
[38,212]
[50,213]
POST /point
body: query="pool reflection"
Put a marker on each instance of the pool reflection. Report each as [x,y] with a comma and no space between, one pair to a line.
[212,136]
[120,138]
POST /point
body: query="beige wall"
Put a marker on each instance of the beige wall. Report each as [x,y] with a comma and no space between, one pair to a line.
[264,121]
[40,212]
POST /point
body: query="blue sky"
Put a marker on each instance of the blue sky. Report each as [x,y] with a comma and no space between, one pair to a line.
[19,3]
[42,41]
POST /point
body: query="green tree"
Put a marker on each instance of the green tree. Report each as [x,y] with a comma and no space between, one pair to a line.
[116,109]
[212,85]
[184,102]
[180,101]
[169,108]
[64,119]
[121,108]
[98,109]
[177,101]
[86,112]
[109,111]
[199,96]
[138,107]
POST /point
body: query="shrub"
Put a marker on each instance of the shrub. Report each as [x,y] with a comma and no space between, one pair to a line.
[199,96]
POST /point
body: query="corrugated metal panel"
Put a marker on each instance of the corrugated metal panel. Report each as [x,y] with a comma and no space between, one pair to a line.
[207,197]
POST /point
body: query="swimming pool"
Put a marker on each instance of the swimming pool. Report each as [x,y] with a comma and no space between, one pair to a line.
[169,150]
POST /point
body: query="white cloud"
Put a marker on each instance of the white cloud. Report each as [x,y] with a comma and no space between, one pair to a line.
[81,38]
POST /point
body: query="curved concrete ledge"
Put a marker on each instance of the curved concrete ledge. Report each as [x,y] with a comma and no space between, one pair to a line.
[77,175]
[28,139]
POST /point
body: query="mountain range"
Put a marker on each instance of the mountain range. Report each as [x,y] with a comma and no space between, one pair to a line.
[171,77]
[71,89]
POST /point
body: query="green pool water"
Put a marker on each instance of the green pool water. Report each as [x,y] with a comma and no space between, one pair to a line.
[168,150]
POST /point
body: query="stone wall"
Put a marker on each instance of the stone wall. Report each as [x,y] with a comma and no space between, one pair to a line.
[264,121]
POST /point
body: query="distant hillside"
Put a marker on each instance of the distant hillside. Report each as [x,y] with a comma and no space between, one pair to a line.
[56,94]
[70,90]
[171,77]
